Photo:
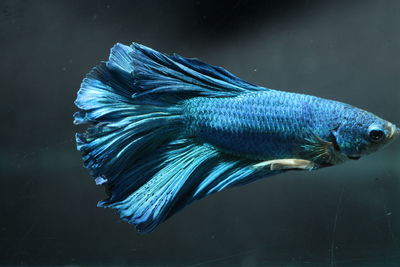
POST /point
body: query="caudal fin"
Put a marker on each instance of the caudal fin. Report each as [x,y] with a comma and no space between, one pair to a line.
[136,143]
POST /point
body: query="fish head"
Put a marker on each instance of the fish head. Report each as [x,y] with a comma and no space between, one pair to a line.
[360,133]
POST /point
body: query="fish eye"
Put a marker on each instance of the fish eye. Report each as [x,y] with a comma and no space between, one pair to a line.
[376,135]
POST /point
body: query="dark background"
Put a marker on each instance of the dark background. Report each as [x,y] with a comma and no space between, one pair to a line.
[343,50]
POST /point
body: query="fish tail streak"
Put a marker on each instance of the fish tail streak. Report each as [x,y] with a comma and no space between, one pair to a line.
[136,145]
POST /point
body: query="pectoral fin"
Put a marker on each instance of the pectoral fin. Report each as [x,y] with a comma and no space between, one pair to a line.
[287,164]
[318,149]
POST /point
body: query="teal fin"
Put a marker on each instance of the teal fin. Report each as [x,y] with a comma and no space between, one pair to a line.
[318,150]
[184,172]
[156,74]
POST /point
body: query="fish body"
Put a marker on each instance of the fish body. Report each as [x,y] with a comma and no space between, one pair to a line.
[168,130]
[274,124]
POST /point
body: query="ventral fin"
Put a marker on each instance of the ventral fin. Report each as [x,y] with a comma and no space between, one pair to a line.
[287,164]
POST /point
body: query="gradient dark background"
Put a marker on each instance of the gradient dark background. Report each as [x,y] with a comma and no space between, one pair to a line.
[343,50]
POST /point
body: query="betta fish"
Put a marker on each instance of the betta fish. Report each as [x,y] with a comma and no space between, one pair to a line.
[165,130]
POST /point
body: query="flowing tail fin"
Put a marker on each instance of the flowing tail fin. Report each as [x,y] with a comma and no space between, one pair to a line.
[136,144]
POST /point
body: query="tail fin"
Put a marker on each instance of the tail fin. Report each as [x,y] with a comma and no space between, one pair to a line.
[136,144]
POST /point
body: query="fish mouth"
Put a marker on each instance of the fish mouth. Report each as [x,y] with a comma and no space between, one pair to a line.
[354,157]
[394,131]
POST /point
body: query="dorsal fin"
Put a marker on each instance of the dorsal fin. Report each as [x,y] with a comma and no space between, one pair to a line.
[157,73]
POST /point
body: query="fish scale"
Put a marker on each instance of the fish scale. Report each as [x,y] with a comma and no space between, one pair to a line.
[261,125]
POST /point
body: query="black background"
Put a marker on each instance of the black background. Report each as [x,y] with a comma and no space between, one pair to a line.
[343,50]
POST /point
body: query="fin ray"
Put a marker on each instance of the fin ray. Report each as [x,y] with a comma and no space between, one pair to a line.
[179,181]
[159,73]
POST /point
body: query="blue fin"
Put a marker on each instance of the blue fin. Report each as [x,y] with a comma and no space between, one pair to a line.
[158,73]
[136,146]
[183,172]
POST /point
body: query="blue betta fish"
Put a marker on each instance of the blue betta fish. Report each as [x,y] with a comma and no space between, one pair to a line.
[167,130]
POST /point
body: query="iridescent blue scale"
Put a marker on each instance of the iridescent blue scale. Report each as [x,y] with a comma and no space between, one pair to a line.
[260,125]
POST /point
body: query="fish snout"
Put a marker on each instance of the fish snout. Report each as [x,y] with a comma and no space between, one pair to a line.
[393,131]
